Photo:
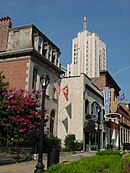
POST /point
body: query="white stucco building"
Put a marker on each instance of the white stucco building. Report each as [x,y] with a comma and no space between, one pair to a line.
[88,54]
[83,99]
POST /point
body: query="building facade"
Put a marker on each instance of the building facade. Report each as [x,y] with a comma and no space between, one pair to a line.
[79,115]
[124,110]
[25,54]
[88,54]
[118,123]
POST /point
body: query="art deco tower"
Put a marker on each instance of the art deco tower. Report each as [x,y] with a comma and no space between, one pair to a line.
[88,54]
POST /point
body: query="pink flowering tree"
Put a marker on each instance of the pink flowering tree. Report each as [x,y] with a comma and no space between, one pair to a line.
[20,115]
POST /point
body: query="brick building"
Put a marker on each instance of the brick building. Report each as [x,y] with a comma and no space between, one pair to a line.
[118,126]
[25,54]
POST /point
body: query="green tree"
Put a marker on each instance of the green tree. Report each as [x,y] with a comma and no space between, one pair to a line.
[2,83]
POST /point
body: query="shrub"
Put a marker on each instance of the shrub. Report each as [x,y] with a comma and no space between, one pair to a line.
[106,163]
[53,141]
[126,163]
[109,152]
[70,142]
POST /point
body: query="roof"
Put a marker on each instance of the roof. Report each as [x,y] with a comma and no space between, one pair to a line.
[36,29]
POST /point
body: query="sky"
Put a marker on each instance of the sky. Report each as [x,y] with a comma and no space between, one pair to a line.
[61,20]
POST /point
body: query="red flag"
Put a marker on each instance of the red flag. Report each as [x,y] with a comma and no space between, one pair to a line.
[65,92]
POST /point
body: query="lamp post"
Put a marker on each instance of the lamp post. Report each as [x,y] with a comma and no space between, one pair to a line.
[119,133]
[110,135]
[44,80]
[98,110]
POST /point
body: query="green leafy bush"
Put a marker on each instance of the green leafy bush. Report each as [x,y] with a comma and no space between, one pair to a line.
[53,141]
[70,142]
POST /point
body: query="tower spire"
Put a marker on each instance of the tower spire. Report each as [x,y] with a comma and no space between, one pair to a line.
[85,24]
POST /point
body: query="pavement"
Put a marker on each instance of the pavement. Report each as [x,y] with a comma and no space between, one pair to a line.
[29,166]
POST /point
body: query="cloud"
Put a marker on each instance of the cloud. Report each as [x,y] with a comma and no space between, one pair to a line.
[119,71]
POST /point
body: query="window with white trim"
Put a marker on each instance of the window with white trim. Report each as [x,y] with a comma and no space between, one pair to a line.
[34,79]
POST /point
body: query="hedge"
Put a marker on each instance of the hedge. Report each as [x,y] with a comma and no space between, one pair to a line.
[94,164]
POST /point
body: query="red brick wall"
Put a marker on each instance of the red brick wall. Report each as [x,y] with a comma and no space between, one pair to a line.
[100,82]
[15,72]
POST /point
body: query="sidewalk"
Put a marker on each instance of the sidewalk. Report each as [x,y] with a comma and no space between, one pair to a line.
[29,167]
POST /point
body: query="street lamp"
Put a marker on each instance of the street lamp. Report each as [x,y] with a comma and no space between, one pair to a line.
[119,132]
[44,80]
[98,110]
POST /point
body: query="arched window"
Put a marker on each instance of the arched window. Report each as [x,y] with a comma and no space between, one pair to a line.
[94,108]
[52,117]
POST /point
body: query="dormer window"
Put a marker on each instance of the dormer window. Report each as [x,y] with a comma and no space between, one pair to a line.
[49,52]
[38,44]
[53,58]
[57,58]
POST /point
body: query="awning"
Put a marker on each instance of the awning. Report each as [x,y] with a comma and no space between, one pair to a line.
[89,126]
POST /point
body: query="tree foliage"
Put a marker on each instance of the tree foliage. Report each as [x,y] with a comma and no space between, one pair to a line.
[2,83]
[19,114]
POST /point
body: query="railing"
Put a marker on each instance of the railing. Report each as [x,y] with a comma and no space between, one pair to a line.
[15,149]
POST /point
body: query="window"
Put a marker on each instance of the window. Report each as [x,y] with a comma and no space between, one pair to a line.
[53,57]
[52,118]
[49,53]
[75,45]
[40,44]
[57,58]
[94,110]
[34,80]
[86,106]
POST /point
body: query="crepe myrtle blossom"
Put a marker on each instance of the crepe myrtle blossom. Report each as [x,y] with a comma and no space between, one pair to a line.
[20,109]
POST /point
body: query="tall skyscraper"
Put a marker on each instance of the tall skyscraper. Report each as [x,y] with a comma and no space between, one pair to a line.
[88,54]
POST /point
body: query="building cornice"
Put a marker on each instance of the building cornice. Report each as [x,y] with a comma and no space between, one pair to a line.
[14,55]
[93,91]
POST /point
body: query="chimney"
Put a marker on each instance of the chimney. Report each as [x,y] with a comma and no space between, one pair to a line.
[5,24]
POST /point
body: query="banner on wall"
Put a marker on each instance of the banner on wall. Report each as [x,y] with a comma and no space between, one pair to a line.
[106,93]
[110,102]
[65,92]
